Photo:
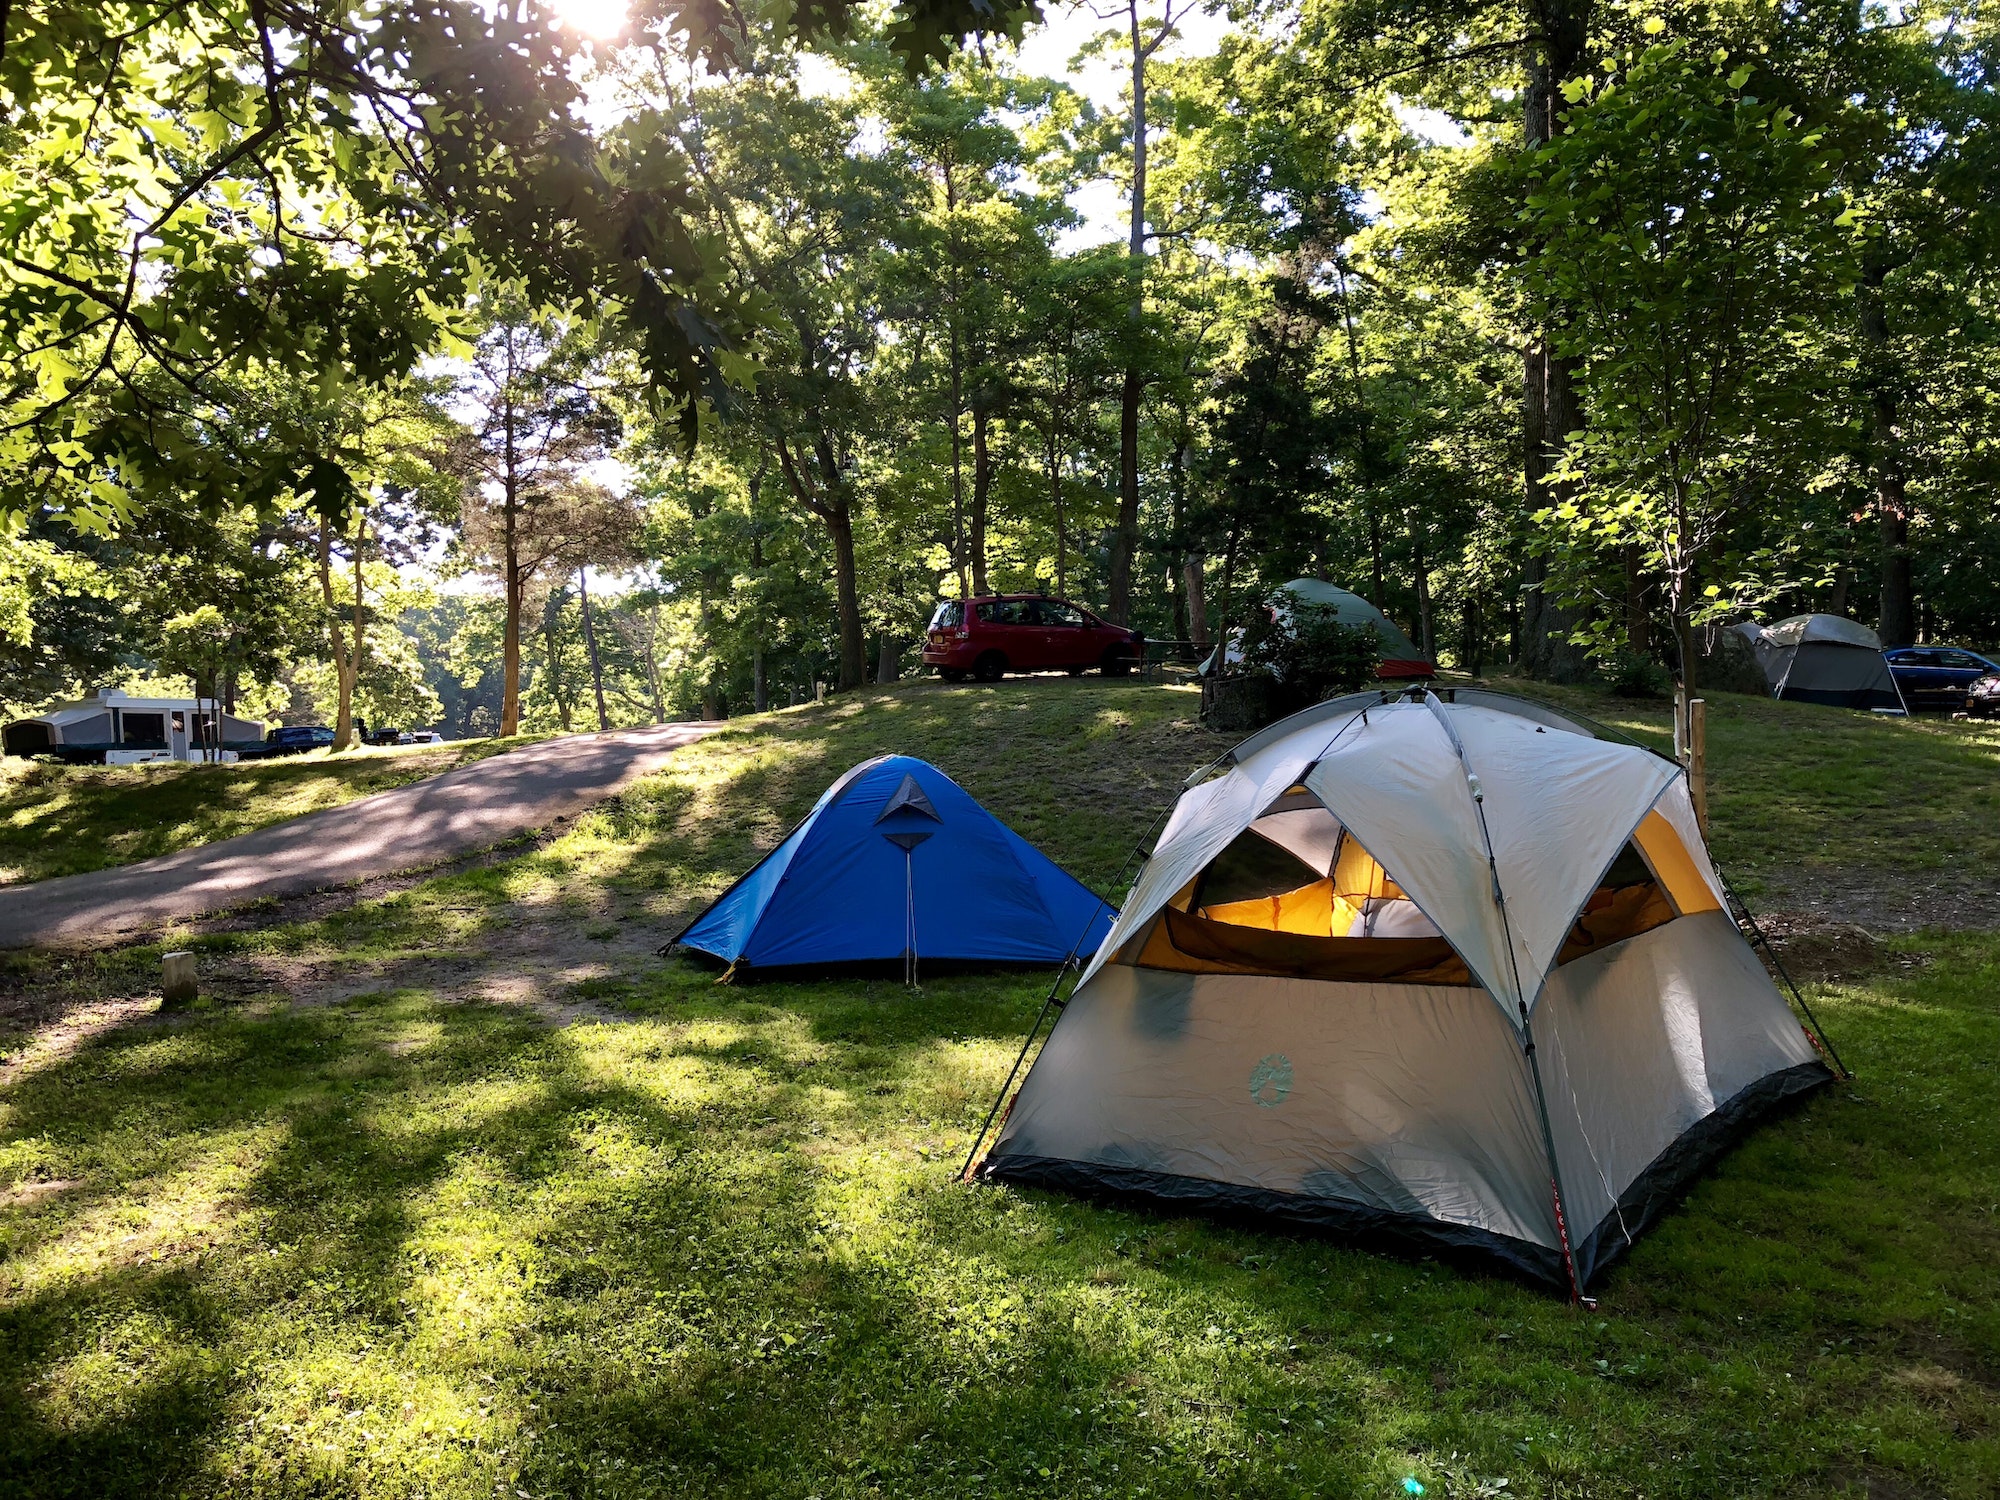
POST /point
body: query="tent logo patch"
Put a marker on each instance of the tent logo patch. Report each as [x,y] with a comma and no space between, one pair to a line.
[1271,1080]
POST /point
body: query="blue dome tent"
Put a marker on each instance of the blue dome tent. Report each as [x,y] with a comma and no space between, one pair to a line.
[896,862]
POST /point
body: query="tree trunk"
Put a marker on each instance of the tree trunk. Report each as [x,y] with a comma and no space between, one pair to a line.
[558,690]
[590,645]
[516,583]
[1638,622]
[760,692]
[1550,411]
[1197,602]
[1176,568]
[343,662]
[853,645]
[1056,509]
[1420,572]
[510,651]
[1897,619]
[982,490]
[1125,538]
[885,659]
[957,404]
[1375,552]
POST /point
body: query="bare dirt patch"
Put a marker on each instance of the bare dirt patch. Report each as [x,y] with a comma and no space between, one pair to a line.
[1887,901]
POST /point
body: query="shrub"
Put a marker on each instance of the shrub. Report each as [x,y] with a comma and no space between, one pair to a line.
[1634,676]
[1313,657]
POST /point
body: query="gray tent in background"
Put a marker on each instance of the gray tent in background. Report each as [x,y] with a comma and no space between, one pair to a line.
[1459,974]
[1825,659]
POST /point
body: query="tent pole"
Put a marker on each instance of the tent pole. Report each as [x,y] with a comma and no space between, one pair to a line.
[1137,852]
[965,1172]
[1520,999]
[1814,1031]
[1555,1172]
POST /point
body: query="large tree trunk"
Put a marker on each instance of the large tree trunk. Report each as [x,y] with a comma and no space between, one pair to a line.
[590,645]
[1550,410]
[1056,509]
[1638,622]
[1125,537]
[558,689]
[510,651]
[1375,553]
[1897,621]
[1197,602]
[516,582]
[344,661]
[853,644]
[1421,574]
[982,491]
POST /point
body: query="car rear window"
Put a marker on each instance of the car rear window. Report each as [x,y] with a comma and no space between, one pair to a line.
[948,616]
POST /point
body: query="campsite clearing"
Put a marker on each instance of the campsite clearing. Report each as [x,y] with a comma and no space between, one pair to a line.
[336,1230]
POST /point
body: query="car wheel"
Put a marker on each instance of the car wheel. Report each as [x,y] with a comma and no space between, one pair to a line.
[1116,663]
[991,667]
[952,674]
[1074,671]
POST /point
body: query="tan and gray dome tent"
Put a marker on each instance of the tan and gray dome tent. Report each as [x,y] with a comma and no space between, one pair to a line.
[1455,972]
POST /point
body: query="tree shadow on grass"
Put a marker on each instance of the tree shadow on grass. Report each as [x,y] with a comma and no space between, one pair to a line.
[718,1250]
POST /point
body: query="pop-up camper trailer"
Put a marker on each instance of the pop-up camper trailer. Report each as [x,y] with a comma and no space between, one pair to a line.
[114,729]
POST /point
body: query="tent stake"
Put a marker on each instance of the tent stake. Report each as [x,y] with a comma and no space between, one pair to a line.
[1814,1030]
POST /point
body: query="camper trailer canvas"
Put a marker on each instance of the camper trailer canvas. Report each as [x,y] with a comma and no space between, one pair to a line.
[112,728]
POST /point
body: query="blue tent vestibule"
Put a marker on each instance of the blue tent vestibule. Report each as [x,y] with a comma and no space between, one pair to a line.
[897,862]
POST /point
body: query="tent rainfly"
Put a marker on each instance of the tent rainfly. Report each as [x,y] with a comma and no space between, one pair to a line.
[897,862]
[1825,659]
[1449,971]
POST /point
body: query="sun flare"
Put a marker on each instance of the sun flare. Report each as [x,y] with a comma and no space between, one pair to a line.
[603,19]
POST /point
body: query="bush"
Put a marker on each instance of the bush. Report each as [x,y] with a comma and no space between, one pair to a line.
[1312,657]
[1634,676]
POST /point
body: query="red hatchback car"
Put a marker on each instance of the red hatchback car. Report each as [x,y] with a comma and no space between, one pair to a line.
[988,638]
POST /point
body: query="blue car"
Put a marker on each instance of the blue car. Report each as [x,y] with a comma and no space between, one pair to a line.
[296,739]
[1937,676]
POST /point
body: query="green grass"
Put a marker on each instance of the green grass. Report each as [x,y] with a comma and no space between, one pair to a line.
[713,1244]
[66,820]
[1802,795]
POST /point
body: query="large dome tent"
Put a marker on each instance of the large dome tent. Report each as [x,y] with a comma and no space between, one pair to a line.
[1826,659]
[1456,974]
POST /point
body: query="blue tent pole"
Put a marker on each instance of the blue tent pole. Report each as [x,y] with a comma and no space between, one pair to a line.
[909,917]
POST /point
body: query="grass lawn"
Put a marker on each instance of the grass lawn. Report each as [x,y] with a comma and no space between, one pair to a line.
[340,1232]
[65,820]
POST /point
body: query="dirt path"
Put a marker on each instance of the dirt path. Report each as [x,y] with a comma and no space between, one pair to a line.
[407,827]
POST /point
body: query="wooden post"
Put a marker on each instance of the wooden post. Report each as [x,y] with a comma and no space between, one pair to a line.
[1697,762]
[177,982]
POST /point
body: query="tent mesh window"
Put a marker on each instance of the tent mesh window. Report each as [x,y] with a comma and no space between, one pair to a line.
[1274,902]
